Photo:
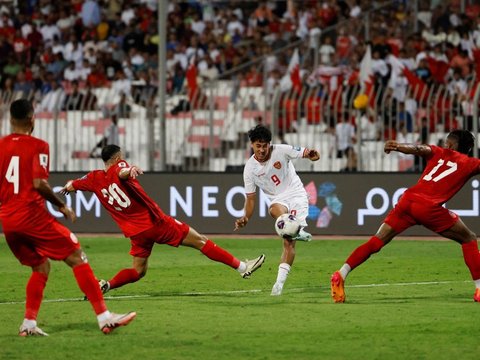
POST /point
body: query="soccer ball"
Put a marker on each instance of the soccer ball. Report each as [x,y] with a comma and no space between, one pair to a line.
[287,225]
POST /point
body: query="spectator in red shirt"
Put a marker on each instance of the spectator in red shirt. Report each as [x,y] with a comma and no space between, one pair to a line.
[21,47]
[461,61]
[35,39]
[253,77]
[7,30]
[97,77]
[343,47]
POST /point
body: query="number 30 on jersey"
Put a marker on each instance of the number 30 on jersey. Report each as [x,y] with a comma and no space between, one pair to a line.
[115,194]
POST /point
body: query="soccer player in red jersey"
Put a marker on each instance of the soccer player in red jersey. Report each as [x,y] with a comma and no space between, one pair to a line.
[33,235]
[446,171]
[142,220]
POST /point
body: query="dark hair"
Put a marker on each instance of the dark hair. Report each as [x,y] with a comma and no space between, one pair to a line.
[21,110]
[108,151]
[260,133]
[465,140]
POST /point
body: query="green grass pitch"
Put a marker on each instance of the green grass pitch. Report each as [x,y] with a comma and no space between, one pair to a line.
[413,300]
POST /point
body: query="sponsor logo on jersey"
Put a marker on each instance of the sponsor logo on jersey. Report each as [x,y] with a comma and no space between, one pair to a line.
[277,165]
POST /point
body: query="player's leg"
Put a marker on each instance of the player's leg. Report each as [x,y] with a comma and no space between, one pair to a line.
[87,282]
[361,254]
[449,225]
[460,233]
[64,245]
[397,220]
[25,252]
[126,276]
[34,296]
[288,252]
[286,262]
[141,249]
[216,253]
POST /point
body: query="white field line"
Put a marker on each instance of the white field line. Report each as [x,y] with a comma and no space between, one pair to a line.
[230,292]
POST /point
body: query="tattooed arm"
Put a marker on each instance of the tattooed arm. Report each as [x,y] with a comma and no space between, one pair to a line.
[414,149]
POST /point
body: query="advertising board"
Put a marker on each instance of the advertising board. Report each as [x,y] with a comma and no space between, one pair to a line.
[340,204]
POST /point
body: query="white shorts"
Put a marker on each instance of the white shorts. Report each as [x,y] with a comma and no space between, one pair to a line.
[296,203]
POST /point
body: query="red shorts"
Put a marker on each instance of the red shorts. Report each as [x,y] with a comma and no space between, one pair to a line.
[409,212]
[32,245]
[167,231]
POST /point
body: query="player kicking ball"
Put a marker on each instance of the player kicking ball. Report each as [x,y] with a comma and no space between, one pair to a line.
[270,168]
[447,170]
[142,220]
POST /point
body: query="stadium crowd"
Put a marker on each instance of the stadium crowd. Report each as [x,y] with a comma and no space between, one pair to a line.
[47,44]
[51,47]
[105,43]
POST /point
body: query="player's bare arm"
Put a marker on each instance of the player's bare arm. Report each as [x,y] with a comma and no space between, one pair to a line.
[413,149]
[44,188]
[248,208]
[312,154]
[131,172]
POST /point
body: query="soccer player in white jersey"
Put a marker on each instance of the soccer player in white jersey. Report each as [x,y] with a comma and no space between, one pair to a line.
[270,168]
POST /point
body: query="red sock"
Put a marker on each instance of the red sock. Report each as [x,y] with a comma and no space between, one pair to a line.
[89,285]
[363,252]
[472,258]
[216,253]
[35,287]
[125,276]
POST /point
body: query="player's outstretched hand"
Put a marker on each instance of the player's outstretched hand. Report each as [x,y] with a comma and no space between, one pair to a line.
[64,191]
[67,189]
[135,171]
[68,212]
[390,145]
[313,155]
[239,223]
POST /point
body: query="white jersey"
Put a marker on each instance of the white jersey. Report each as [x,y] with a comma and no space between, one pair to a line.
[276,176]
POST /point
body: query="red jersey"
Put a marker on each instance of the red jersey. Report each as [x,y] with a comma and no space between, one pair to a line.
[22,159]
[444,175]
[126,201]
[343,46]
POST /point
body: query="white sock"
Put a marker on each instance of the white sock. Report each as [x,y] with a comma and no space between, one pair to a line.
[477,283]
[104,316]
[242,267]
[283,270]
[29,323]
[344,270]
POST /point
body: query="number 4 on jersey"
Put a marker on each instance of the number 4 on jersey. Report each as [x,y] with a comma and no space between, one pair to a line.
[12,174]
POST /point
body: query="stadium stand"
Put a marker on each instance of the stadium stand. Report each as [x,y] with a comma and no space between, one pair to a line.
[298,66]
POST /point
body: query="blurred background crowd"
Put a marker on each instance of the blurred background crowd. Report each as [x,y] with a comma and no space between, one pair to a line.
[420,57]
[48,44]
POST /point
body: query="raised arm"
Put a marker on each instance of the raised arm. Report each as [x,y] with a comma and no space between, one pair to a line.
[132,172]
[414,149]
